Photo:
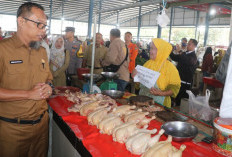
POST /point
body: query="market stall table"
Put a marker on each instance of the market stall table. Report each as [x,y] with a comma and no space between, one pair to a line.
[88,140]
[209,81]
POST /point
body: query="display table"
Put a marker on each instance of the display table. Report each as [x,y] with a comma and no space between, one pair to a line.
[87,140]
[209,81]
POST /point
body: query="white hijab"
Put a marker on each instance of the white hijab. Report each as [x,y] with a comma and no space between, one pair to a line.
[57,55]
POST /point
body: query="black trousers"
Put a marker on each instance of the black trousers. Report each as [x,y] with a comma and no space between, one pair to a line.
[182,93]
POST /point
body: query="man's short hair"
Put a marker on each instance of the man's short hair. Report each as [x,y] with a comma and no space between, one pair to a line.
[70,29]
[115,32]
[184,39]
[25,9]
[128,33]
[194,41]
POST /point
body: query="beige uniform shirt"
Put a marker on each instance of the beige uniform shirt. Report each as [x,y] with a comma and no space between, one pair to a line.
[22,68]
[100,53]
[116,55]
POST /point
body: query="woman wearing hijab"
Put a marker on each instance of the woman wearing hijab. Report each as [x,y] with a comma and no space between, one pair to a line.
[59,62]
[218,58]
[207,65]
[168,83]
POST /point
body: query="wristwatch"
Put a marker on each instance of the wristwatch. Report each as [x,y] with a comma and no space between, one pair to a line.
[51,85]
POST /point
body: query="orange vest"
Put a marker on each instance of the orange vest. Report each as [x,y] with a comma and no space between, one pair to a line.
[133,52]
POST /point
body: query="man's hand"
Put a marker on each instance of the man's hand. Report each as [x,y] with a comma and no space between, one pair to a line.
[40,91]
[134,72]
[178,48]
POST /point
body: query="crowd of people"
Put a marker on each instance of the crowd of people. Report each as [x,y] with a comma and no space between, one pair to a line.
[66,54]
[30,67]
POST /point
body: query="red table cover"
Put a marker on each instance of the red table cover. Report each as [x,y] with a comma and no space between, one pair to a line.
[212,82]
[101,145]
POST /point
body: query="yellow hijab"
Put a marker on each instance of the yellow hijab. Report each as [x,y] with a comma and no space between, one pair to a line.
[168,72]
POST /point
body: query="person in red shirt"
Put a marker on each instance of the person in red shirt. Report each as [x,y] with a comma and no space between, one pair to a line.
[133,50]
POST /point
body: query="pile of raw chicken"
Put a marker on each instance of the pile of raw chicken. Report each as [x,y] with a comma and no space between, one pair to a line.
[124,123]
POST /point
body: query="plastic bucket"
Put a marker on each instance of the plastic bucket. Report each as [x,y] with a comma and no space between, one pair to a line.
[81,71]
[222,139]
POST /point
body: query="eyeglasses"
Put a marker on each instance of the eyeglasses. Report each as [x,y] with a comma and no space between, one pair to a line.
[39,24]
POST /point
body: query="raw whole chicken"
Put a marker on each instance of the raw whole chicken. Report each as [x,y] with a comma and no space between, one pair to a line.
[74,108]
[95,117]
[109,125]
[107,118]
[118,127]
[139,117]
[96,113]
[131,114]
[81,100]
[145,121]
[163,148]
[88,108]
[139,143]
[77,107]
[122,110]
[123,133]
[178,153]
[156,138]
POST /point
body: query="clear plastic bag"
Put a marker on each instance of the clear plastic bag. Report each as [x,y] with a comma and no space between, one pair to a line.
[199,106]
[162,19]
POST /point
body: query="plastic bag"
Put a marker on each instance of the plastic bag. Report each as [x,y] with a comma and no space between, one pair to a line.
[162,19]
[226,107]
[199,106]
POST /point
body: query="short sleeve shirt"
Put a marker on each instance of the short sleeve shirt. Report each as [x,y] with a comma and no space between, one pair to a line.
[21,68]
[100,53]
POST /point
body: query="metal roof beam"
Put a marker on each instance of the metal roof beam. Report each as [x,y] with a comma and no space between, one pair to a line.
[144,3]
[191,2]
[87,10]
[58,8]
[122,14]
[138,16]
[220,16]
[223,6]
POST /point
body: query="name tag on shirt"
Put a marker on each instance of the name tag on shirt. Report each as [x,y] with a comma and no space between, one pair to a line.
[16,62]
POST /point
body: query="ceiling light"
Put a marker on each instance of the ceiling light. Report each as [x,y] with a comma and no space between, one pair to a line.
[212,11]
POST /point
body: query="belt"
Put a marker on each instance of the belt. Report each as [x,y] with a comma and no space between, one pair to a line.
[185,82]
[20,121]
[95,67]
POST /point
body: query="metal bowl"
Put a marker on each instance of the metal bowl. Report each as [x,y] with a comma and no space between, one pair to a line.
[113,93]
[110,75]
[88,75]
[180,131]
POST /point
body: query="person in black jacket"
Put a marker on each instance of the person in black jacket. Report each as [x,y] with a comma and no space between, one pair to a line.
[187,64]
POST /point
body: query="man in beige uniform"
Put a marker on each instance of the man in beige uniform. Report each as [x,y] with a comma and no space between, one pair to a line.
[100,52]
[24,74]
[116,55]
